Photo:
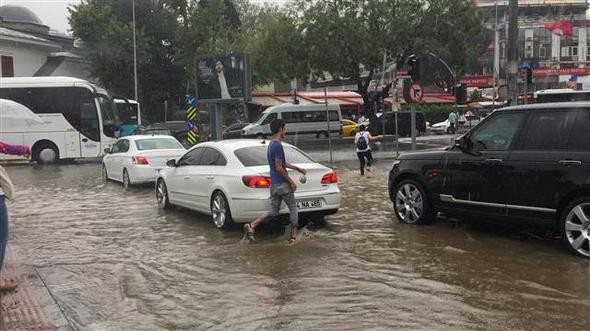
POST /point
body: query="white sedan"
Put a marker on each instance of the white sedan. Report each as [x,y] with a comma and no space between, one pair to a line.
[229,180]
[138,159]
[467,121]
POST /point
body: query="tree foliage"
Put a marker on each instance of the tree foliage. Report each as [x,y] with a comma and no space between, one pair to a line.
[308,40]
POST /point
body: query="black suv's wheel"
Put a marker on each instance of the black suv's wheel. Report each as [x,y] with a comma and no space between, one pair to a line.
[162,195]
[411,204]
[220,211]
[575,227]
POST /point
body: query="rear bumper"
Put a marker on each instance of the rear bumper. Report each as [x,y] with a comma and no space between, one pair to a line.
[249,208]
[143,174]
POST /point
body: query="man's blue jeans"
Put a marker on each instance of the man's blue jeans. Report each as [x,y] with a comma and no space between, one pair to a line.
[3,229]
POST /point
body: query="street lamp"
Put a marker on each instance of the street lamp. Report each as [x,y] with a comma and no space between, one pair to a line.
[134,55]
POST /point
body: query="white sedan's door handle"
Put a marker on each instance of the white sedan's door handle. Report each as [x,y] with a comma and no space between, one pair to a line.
[187,177]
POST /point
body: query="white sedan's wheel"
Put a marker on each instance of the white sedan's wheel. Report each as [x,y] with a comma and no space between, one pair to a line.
[105,174]
[126,180]
[575,227]
[220,211]
[162,195]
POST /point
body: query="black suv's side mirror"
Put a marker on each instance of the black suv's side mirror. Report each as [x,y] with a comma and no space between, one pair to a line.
[463,143]
[171,163]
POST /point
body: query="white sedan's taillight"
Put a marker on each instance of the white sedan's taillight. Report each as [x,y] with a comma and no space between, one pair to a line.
[256,181]
[139,160]
[330,178]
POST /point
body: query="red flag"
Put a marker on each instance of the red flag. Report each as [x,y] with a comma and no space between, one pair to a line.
[561,28]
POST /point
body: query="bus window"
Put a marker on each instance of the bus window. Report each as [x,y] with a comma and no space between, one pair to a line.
[108,113]
[89,121]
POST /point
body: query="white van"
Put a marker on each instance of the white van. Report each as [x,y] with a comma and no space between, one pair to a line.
[302,120]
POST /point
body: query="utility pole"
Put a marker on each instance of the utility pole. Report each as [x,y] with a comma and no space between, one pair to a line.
[513,51]
[134,56]
[496,55]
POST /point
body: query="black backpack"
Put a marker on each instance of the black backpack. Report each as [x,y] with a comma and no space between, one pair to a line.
[361,143]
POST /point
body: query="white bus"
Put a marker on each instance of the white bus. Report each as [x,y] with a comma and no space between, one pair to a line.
[129,114]
[79,118]
[561,95]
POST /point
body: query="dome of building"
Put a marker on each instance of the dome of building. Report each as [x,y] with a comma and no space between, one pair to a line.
[21,18]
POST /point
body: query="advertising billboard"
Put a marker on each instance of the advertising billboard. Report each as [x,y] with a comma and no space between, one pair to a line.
[224,78]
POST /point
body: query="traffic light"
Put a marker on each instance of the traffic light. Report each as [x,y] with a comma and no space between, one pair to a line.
[529,75]
[414,67]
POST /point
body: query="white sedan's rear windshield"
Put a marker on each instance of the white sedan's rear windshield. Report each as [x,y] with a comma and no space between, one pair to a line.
[157,143]
[256,156]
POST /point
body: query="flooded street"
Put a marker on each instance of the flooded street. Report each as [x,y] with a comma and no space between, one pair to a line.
[113,261]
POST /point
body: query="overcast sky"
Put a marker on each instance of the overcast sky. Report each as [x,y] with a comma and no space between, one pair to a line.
[51,12]
[54,12]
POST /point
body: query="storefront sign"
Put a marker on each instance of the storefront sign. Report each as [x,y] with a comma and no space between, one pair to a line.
[561,72]
[477,81]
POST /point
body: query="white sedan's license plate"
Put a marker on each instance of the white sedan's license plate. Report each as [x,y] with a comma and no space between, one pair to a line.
[306,204]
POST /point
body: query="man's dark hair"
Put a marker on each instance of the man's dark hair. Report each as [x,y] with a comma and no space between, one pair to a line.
[276,125]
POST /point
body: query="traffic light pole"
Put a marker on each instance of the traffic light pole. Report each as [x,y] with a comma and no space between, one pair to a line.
[526,91]
[513,52]
[413,124]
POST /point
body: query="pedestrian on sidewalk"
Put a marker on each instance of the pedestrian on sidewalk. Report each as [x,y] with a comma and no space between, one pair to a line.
[363,148]
[282,187]
[453,121]
[7,192]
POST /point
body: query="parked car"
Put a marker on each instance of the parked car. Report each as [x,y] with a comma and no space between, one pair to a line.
[349,128]
[229,180]
[177,129]
[404,125]
[234,131]
[138,159]
[468,121]
[522,163]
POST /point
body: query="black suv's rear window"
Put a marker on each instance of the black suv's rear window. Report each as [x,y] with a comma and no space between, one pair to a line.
[549,130]
[580,138]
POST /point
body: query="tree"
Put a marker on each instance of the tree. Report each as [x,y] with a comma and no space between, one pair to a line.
[105,26]
[276,46]
[347,38]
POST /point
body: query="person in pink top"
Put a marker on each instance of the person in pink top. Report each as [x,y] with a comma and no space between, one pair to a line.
[23,150]
[7,192]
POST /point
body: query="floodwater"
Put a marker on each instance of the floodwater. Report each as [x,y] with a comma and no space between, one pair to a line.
[113,261]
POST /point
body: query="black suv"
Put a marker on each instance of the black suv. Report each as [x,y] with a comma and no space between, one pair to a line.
[528,163]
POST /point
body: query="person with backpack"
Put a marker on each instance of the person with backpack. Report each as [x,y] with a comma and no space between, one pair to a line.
[362,139]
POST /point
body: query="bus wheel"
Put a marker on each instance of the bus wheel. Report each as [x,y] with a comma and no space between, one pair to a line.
[45,153]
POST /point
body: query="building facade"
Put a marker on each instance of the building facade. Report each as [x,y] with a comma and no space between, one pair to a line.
[29,48]
[545,42]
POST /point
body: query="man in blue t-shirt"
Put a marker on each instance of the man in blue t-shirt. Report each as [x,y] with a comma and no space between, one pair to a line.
[282,187]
